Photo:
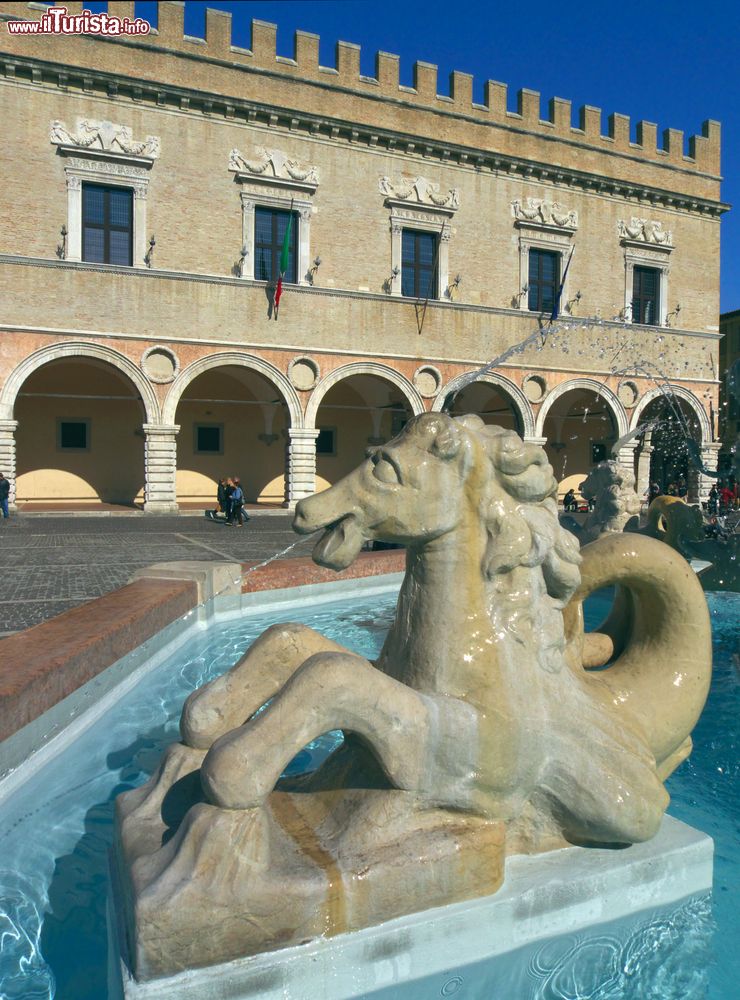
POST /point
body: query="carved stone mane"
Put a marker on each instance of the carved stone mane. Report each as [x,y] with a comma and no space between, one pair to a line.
[524,537]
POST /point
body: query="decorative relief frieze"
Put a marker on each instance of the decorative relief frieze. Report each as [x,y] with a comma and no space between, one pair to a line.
[105,136]
[539,211]
[275,167]
[419,190]
[645,231]
[129,171]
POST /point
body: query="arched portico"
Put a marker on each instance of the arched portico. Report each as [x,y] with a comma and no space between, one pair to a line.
[677,392]
[673,418]
[235,413]
[610,399]
[581,420]
[77,349]
[357,405]
[385,372]
[472,397]
[75,428]
[237,359]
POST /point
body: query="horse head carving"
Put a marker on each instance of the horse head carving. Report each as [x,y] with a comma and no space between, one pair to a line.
[481,729]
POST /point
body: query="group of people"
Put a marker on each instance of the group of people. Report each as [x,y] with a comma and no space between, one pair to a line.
[678,488]
[572,503]
[230,501]
[723,497]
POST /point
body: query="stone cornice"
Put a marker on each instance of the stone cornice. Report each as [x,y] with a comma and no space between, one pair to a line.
[339,293]
[144,92]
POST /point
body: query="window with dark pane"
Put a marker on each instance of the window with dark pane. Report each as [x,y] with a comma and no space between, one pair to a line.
[107,224]
[543,281]
[645,295]
[269,232]
[418,256]
[73,435]
[208,438]
[326,442]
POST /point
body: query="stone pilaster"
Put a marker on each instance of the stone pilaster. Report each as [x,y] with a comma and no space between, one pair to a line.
[625,459]
[7,456]
[709,457]
[160,468]
[301,479]
[642,483]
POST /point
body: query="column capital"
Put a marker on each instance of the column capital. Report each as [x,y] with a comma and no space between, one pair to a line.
[161,430]
[8,426]
[536,440]
[712,446]
[303,433]
[630,445]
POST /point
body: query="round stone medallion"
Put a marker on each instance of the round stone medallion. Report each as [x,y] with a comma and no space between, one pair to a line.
[535,388]
[627,393]
[303,373]
[160,364]
[427,380]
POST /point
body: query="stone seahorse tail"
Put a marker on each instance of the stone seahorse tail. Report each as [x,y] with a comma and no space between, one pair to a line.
[658,637]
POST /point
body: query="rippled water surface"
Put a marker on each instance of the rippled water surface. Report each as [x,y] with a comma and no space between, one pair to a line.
[56,831]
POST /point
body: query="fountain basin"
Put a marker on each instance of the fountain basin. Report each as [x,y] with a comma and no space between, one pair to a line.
[58,813]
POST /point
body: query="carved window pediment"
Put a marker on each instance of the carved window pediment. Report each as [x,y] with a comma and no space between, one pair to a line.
[543,215]
[274,168]
[103,140]
[644,233]
[407,192]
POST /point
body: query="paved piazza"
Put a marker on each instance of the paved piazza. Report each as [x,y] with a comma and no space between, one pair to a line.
[52,564]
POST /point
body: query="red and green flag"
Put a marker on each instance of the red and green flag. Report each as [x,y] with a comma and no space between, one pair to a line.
[284,263]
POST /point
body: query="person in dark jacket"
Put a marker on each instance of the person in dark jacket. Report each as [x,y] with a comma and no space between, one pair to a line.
[220,499]
[237,503]
[569,501]
[4,494]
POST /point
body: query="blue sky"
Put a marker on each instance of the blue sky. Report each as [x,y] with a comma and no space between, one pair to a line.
[670,62]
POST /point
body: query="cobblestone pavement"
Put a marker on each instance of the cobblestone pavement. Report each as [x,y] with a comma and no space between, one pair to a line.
[50,564]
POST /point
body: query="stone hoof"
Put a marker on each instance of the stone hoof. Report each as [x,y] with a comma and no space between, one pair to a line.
[146,814]
[202,720]
[230,778]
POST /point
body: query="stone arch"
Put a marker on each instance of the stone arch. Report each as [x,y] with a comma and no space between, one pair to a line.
[78,349]
[681,393]
[240,360]
[411,393]
[518,399]
[611,399]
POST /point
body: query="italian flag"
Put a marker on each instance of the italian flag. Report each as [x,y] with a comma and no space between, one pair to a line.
[284,262]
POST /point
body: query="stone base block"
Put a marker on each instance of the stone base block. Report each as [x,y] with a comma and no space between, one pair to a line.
[453,946]
[211,578]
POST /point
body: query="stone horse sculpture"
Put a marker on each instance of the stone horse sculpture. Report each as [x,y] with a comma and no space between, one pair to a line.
[479,731]
[616,504]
